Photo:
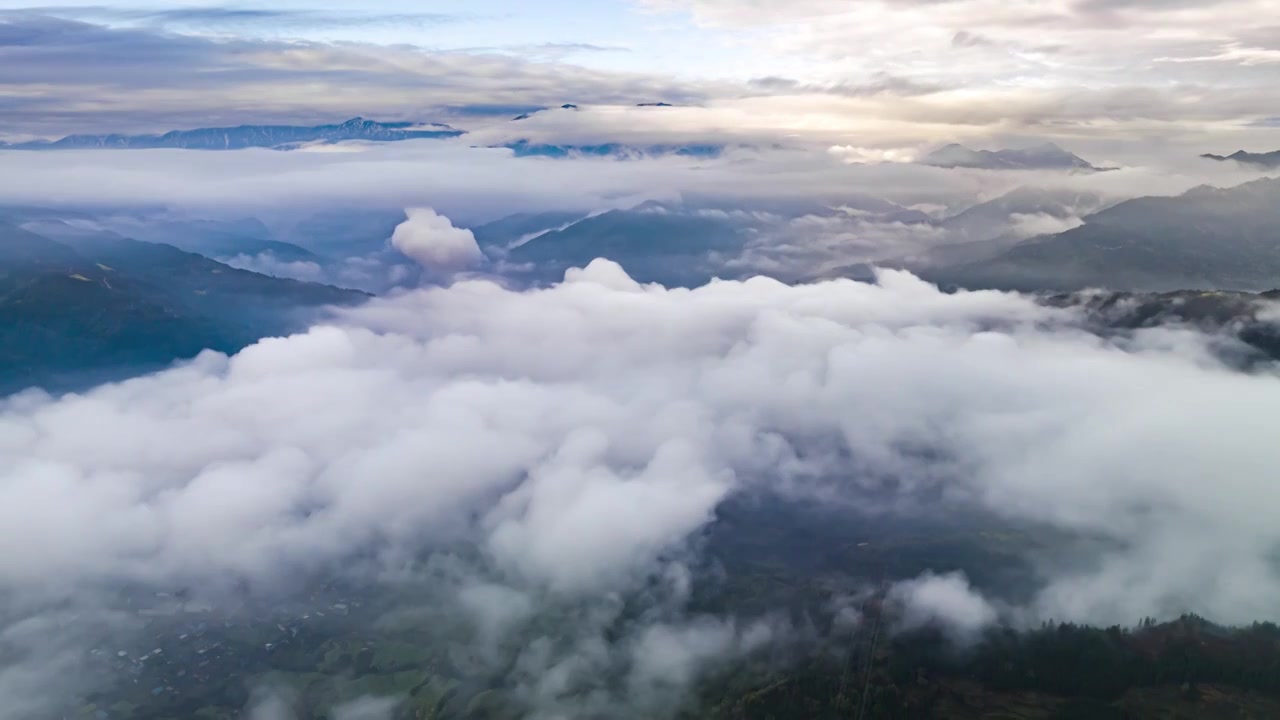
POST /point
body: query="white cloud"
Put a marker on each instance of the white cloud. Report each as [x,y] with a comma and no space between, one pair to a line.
[466,183]
[947,600]
[367,708]
[624,415]
[268,264]
[1032,224]
[577,437]
[433,241]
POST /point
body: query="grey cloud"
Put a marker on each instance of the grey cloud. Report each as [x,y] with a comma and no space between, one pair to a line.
[128,79]
[367,708]
[877,84]
[62,76]
[227,17]
[470,184]
[1073,51]
[964,38]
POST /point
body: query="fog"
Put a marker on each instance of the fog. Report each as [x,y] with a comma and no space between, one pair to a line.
[801,212]
[470,184]
[577,438]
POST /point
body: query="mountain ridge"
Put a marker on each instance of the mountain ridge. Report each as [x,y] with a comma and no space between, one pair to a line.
[1268,160]
[279,137]
[1207,238]
[98,308]
[1046,156]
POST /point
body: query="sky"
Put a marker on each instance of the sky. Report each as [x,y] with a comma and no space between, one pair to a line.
[589,430]
[874,75]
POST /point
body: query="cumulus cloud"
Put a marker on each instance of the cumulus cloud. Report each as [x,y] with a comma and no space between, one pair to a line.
[578,438]
[558,413]
[433,241]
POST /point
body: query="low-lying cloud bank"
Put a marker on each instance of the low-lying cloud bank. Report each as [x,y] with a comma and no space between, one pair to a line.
[470,184]
[577,436]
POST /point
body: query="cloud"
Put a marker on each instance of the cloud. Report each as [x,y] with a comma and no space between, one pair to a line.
[465,183]
[947,600]
[1009,56]
[224,19]
[268,264]
[1029,225]
[271,704]
[61,76]
[626,414]
[435,243]
[576,440]
[367,708]
[924,73]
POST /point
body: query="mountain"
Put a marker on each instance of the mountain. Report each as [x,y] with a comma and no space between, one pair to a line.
[983,231]
[98,307]
[344,231]
[526,148]
[531,113]
[652,243]
[995,217]
[495,238]
[1269,160]
[217,240]
[1041,157]
[279,137]
[1207,238]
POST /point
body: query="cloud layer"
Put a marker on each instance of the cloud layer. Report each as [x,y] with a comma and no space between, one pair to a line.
[884,78]
[624,414]
[577,438]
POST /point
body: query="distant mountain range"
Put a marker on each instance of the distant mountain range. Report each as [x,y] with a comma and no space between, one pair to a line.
[1041,157]
[279,137]
[525,148]
[96,306]
[527,115]
[984,231]
[1207,238]
[291,137]
[652,242]
[1269,160]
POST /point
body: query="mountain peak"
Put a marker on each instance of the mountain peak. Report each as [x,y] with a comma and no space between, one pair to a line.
[1268,160]
[1045,156]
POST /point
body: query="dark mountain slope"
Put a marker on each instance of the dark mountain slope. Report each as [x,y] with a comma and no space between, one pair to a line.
[651,245]
[1207,238]
[1268,160]
[104,307]
[1042,157]
[504,232]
